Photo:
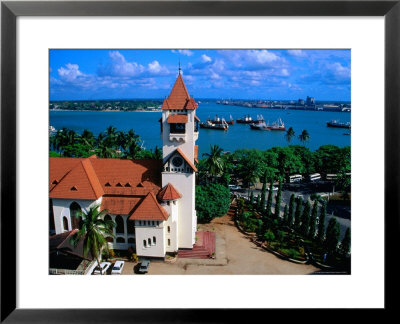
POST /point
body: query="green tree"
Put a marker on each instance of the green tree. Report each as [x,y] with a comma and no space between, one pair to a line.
[313,220]
[94,231]
[286,215]
[270,195]
[321,223]
[292,203]
[252,198]
[214,162]
[332,236]
[304,136]
[87,138]
[305,219]
[212,200]
[343,183]
[278,200]
[346,243]
[289,134]
[263,193]
[297,214]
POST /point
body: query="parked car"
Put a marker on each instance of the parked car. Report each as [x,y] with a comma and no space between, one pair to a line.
[273,188]
[144,266]
[234,187]
[104,267]
[117,268]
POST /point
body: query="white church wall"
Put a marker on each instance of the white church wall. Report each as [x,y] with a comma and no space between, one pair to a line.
[146,232]
[61,209]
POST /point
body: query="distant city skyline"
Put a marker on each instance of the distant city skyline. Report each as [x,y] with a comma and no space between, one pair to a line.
[218,74]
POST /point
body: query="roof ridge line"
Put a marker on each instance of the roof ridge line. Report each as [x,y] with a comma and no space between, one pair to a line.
[87,164]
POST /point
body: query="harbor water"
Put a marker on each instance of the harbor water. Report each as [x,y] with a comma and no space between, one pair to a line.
[238,136]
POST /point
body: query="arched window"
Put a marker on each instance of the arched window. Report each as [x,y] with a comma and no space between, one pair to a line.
[120,224]
[130,225]
[144,243]
[131,240]
[65,224]
[76,222]
[154,240]
[110,239]
[149,241]
[169,229]
[120,240]
[169,242]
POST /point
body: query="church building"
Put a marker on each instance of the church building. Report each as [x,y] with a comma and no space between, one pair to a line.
[151,201]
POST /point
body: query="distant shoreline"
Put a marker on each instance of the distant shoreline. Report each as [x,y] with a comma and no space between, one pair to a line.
[106,110]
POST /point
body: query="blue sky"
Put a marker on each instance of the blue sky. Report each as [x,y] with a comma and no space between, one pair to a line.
[221,74]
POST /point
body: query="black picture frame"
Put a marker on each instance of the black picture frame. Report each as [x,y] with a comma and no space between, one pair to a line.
[10,10]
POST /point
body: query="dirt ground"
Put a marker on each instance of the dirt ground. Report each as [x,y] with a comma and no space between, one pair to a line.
[235,254]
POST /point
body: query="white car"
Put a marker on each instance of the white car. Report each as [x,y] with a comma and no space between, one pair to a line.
[273,188]
[234,187]
[117,268]
[104,267]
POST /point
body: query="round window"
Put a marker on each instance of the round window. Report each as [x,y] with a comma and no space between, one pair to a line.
[177,161]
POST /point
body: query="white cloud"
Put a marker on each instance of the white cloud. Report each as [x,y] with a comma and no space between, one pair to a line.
[70,73]
[205,58]
[156,68]
[298,53]
[120,66]
[183,52]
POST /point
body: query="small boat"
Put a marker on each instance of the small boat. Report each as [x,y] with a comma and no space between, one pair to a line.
[210,125]
[277,126]
[346,133]
[335,123]
[245,120]
[260,126]
[218,120]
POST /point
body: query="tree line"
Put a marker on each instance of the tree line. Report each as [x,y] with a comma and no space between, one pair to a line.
[108,144]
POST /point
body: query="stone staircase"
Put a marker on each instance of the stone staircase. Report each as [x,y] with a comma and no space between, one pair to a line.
[203,249]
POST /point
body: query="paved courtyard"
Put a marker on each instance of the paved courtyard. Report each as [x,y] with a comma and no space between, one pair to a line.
[235,254]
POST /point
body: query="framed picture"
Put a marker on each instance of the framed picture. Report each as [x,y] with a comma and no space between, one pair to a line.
[28,27]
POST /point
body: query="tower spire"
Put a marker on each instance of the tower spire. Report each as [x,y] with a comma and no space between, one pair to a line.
[179,70]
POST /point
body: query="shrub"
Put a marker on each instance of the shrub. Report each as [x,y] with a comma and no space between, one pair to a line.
[212,201]
[269,236]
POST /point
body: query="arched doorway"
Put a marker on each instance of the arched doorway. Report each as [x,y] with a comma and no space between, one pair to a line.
[120,229]
[76,222]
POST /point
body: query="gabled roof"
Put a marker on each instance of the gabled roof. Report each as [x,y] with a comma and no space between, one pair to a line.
[149,208]
[169,193]
[186,159]
[80,182]
[179,97]
[90,178]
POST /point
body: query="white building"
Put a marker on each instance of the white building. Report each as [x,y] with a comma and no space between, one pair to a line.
[151,201]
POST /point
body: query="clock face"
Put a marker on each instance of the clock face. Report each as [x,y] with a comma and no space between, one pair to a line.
[177,161]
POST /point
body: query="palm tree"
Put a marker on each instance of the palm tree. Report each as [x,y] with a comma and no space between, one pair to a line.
[290,134]
[214,162]
[87,138]
[94,232]
[304,136]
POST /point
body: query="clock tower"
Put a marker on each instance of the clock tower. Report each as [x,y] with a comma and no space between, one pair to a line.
[179,132]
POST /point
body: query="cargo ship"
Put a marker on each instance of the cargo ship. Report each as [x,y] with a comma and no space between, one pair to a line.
[335,123]
[248,120]
[218,120]
[209,125]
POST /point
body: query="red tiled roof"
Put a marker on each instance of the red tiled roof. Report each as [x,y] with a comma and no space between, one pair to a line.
[90,176]
[119,205]
[186,159]
[177,119]
[169,193]
[196,153]
[149,208]
[179,97]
